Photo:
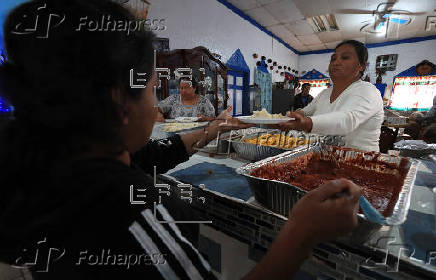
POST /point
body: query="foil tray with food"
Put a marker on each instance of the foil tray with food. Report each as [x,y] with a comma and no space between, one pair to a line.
[279,182]
[261,145]
[415,148]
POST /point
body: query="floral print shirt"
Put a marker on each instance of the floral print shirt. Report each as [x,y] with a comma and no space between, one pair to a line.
[174,106]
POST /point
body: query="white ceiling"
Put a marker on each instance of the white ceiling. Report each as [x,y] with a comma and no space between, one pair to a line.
[287,20]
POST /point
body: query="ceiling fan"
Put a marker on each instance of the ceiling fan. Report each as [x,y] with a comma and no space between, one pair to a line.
[383,14]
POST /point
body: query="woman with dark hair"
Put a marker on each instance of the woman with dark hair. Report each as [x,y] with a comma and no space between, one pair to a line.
[76,161]
[425,67]
[352,108]
[189,103]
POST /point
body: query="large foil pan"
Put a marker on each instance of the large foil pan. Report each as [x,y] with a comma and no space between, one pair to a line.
[415,148]
[280,197]
[255,152]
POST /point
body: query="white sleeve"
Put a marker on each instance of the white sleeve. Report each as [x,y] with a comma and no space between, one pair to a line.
[362,104]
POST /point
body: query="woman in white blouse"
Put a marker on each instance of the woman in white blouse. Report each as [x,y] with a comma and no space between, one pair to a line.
[352,108]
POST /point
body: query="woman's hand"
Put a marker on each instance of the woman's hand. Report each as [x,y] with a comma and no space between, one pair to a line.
[300,123]
[200,138]
[226,122]
[298,111]
[203,118]
[323,215]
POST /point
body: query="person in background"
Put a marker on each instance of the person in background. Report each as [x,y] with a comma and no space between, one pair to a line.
[352,108]
[419,122]
[428,118]
[425,67]
[429,134]
[304,98]
[286,85]
[189,103]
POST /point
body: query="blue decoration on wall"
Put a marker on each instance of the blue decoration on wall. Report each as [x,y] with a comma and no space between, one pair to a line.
[264,81]
[263,67]
[239,68]
[411,72]
[237,62]
[314,75]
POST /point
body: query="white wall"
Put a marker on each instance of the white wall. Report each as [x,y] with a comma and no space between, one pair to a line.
[409,54]
[208,23]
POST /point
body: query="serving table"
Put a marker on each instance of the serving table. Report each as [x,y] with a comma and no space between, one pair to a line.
[407,251]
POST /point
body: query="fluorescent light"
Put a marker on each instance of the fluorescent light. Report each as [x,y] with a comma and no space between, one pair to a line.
[323,23]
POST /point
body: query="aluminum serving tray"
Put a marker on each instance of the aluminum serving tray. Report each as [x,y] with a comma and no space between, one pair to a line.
[280,197]
[256,152]
[222,146]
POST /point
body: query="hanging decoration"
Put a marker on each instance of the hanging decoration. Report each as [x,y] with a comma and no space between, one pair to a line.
[263,67]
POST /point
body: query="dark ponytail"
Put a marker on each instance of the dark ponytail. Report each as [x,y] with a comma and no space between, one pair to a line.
[61,86]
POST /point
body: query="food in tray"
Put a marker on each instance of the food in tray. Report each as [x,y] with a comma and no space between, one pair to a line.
[173,127]
[186,119]
[309,171]
[265,115]
[277,140]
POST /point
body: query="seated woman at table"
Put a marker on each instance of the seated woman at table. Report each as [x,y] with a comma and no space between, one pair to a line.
[189,103]
[71,158]
[429,134]
[352,108]
[429,117]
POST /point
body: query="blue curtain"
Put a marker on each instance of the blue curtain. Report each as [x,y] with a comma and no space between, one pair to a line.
[264,81]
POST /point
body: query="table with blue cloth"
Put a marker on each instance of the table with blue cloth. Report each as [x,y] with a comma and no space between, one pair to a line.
[409,247]
[414,241]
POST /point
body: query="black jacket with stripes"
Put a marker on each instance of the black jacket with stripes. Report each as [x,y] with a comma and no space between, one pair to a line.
[79,222]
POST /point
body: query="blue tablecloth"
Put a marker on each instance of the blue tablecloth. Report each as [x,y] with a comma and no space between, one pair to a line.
[215,177]
[419,230]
